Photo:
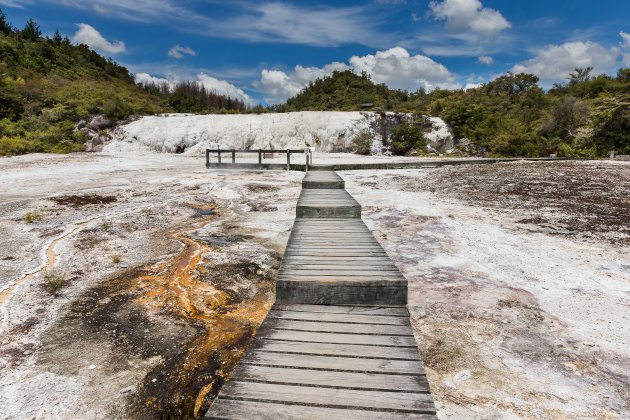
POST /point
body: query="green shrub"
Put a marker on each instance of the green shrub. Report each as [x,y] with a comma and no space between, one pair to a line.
[408,136]
[362,142]
[32,217]
[54,281]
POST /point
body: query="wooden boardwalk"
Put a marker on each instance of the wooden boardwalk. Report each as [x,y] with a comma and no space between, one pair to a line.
[337,344]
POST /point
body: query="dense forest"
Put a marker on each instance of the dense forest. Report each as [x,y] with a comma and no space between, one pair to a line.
[587,116]
[48,85]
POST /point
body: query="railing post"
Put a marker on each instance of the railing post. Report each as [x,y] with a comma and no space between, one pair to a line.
[207,158]
[306,167]
[288,160]
[233,156]
[259,157]
[219,155]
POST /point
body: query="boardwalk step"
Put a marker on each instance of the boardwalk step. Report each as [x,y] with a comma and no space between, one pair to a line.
[322,180]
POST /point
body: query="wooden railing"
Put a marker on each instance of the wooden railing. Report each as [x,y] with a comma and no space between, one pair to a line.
[261,153]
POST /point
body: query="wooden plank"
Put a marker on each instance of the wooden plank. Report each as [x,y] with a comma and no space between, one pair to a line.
[323,337]
[347,398]
[248,409]
[311,268]
[346,279]
[335,327]
[366,275]
[336,317]
[353,364]
[345,350]
[347,309]
[335,379]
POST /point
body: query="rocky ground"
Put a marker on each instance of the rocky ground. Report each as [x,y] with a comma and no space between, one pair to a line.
[519,283]
[131,284]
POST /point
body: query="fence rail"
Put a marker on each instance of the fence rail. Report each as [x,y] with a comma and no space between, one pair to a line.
[261,153]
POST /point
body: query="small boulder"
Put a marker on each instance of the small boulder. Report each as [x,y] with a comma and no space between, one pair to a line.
[100,122]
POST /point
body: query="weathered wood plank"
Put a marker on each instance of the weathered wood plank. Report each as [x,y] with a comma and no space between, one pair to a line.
[347,398]
[347,309]
[345,350]
[375,381]
[247,410]
[336,317]
[336,327]
[324,337]
[352,364]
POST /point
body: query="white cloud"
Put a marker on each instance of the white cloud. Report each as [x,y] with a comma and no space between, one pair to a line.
[270,21]
[400,70]
[470,85]
[394,67]
[287,23]
[178,52]
[555,62]
[221,87]
[485,59]
[89,36]
[279,86]
[224,87]
[469,16]
[10,3]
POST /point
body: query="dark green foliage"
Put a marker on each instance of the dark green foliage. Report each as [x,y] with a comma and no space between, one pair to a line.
[5,27]
[408,137]
[31,31]
[613,132]
[362,142]
[345,91]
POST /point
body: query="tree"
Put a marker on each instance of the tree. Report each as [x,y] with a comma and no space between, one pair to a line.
[624,74]
[566,117]
[580,76]
[57,39]
[408,136]
[5,27]
[31,31]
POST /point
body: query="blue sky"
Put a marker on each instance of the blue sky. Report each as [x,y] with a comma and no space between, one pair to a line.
[264,52]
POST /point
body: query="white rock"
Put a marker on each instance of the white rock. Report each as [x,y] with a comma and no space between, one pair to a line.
[325,131]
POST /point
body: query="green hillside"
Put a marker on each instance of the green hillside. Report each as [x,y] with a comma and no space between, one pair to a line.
[510,116]
[343,91]
[47,85]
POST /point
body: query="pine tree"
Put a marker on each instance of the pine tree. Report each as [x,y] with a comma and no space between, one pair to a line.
[57,39]
[31,31]
[5,27]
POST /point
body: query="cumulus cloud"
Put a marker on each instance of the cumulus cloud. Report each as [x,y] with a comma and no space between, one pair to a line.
[178,52]
[89,36]
[400,70]
[395,67]
[222,87]
[469,16]
[555,62]
[485,59]
[278,85]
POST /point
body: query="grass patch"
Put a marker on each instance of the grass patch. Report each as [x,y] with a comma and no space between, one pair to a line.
[116,259]
[54,281]
[32,217]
